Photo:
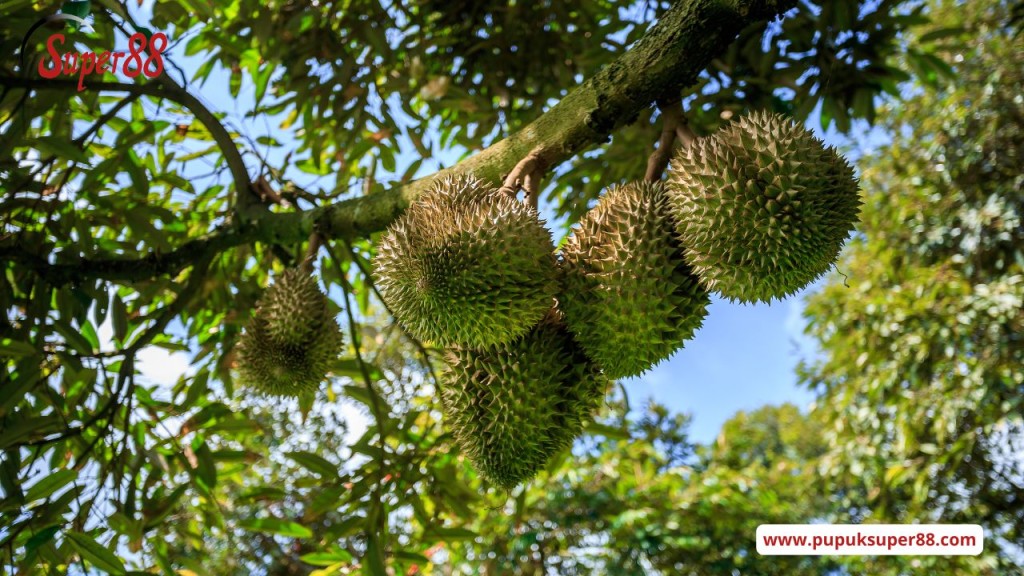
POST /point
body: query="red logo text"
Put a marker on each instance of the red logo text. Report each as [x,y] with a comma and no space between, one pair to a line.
[144,57]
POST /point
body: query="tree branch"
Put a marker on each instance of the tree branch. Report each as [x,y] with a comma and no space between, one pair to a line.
[667,59]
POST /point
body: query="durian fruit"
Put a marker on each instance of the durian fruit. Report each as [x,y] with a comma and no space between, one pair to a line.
[289,345]
[762,207]
[511,407]
[629,297]
[294,307]
[467,265]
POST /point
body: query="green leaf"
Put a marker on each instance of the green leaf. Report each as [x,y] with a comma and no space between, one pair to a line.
[157,510]
[411,557]
[941,34]
[278,527]
[50,484]
[610,432]
[235,83]
[15,348]
[89,333]
[137,173]
[350,367]
[40,538]
[61,148]
[314,463]
[206,468]
[78,8]
[119,318]
[326,558]
[262,79]
[451,534]
[196,390]
[94,553]
[73,337]
[23,429]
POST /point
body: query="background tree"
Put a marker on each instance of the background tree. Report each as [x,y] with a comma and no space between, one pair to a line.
[922,355]
[140,213]
[638,497]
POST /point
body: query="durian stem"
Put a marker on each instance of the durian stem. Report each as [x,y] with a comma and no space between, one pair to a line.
[265,192]
[526,175]
[315,241]
[685,134]
[531,185]
[671,120]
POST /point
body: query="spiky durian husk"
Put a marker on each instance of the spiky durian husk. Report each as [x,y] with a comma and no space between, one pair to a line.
[288,347]
[629,297]
[293,307]
[512,407]
[467,265]
[762,207]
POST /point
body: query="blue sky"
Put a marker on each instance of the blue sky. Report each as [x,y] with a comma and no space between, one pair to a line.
[743,357]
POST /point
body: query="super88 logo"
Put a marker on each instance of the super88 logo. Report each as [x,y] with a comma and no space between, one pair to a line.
[144,56]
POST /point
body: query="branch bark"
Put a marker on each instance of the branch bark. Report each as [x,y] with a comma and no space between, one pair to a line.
[667,59]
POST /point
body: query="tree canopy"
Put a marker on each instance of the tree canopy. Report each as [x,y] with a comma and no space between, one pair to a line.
[922,357]
[152,212]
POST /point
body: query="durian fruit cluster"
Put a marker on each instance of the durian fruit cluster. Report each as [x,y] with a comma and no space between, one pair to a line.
[289,345]
[533,337]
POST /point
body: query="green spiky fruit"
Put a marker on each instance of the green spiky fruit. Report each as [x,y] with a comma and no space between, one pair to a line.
[629,297]
[294,308]
[512,407]
[762,206]
[467,265]
[290,344]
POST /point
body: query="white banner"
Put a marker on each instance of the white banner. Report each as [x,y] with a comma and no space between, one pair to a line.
[869,539]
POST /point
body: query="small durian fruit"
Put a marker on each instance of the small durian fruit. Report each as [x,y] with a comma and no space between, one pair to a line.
[762,207]
[467,265]
[294,307]
[288,347]
[629,297]
[512,407]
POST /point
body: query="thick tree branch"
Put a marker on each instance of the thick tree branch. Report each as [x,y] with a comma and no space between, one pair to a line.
[666,60]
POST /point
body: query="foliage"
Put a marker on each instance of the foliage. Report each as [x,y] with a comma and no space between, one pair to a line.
[638,497]
[922,354]
[325,102]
